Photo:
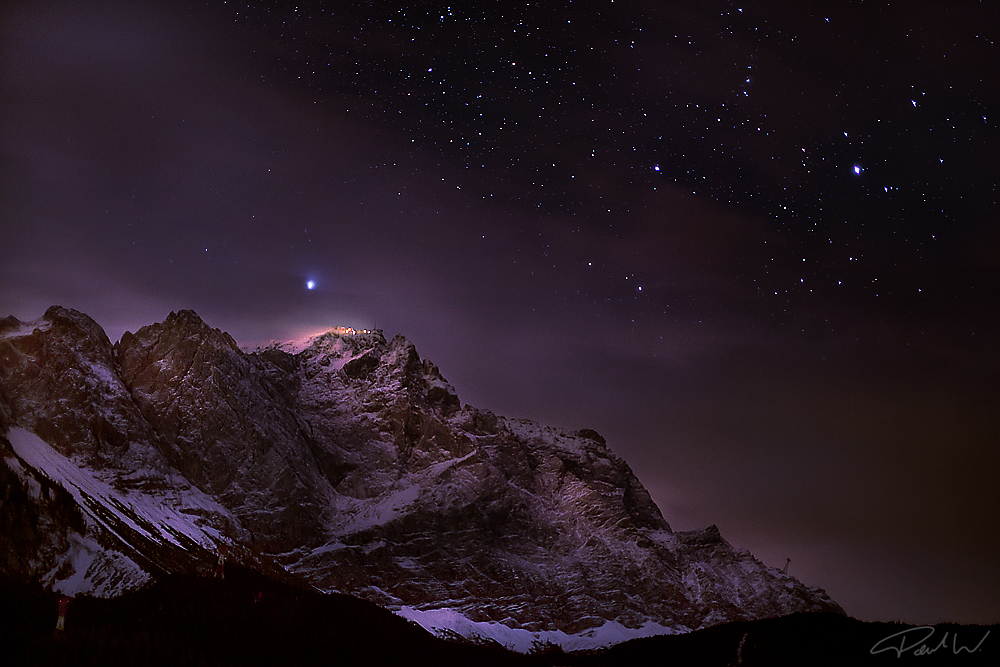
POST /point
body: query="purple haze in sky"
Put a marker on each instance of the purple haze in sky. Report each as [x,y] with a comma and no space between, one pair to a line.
[754,247]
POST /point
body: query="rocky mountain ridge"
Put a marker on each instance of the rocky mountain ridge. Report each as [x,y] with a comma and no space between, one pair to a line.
[350,464]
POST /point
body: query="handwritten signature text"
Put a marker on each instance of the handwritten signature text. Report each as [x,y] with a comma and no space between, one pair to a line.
[921,641]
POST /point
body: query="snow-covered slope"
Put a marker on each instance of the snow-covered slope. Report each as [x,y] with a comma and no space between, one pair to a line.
[448,623]
[62,551]
[170,514]
[351,462]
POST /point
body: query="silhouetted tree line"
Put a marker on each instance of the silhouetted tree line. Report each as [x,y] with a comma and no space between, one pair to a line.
[251,619]
[245,619]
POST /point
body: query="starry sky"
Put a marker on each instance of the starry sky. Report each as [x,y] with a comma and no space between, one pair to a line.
[755,245]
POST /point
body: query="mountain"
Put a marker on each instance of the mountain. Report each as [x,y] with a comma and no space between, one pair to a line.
[348,463]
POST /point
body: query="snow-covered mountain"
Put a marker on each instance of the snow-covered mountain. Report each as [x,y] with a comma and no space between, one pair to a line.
[347,462]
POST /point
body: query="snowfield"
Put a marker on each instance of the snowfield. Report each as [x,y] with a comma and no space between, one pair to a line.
[449,623]
[166,517]
[174,516]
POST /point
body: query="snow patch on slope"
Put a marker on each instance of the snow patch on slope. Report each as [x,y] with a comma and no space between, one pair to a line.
[166,518]
[384,511]
[447,623]
[341,343]
[552,436]
[89,568]
[85,567]
[26,329]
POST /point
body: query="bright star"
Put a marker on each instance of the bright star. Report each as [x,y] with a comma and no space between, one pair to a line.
[310,284]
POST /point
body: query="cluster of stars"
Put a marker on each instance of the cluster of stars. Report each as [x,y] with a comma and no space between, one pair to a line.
[590,111]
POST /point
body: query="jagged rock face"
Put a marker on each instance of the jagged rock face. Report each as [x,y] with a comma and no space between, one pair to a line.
[353,463]
[48,538]
[226,422]
[58,379]
[35,514]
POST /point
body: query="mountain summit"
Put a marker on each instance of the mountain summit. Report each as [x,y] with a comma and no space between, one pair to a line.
[348,463]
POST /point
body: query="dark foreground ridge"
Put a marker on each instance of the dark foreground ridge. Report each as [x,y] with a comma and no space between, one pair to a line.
[246,619]
[251,619]
[816,640]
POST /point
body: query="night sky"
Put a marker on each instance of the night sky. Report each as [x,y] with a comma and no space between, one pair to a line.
[754,245]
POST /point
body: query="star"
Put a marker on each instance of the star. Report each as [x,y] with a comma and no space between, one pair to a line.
[310,284]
